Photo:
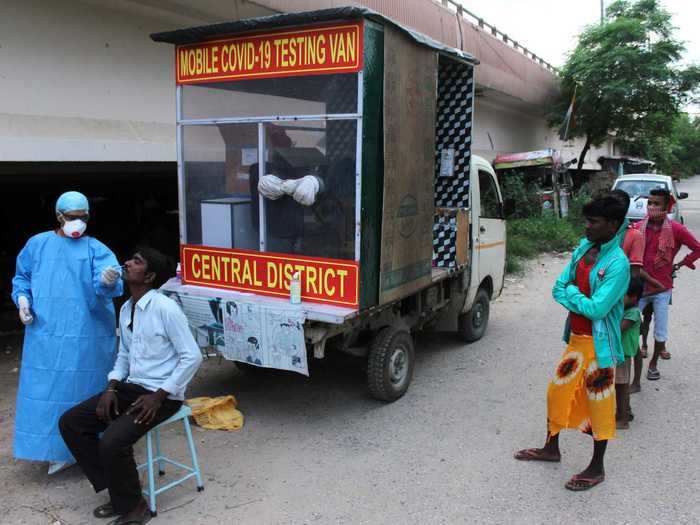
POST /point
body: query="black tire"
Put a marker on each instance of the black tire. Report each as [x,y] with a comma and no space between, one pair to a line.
[390,364]
[472,325]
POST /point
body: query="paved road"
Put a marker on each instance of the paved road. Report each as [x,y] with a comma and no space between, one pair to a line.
[320,451]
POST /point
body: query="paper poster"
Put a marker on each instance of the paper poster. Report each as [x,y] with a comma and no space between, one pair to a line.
[249,156]
[245,331]
[264,336]
[447,162]
[204,317]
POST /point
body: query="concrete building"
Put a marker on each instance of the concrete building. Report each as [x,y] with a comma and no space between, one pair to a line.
[87,101]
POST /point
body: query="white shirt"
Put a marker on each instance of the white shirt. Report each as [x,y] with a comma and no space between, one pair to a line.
[158,351]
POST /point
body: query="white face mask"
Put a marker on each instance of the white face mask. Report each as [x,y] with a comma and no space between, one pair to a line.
[74,229]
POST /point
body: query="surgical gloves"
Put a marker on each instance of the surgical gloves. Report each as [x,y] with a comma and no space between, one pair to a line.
[270,186]
[305,189]
[25,313]
[302,190]
[110,276]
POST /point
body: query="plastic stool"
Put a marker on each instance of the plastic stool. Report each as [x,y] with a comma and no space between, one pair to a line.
[181,415]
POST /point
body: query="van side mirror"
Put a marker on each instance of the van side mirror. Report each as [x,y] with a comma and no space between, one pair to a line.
[683,195]
[508,207]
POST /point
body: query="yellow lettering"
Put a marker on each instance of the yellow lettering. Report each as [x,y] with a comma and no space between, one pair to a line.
[277,43]
[302,50]
[183,62]
[311,274]
[352,46]
[215,269]
[285,51]
[236,270]
[250,56]
[292,52]
[321,49]
[206,267]
[240,56]
[341,48]
[224,262]
[191,62]
[247,276]
[256,281]
[288,270]
[334,48]
[311,50]
[200,65]
[196,268]
[342,274]
[225,57]
[330,290]
[272,274]
[215,59]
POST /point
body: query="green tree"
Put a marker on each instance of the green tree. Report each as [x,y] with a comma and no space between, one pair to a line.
[626,76]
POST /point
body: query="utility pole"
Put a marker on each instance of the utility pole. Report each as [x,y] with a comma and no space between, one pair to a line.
[602,11]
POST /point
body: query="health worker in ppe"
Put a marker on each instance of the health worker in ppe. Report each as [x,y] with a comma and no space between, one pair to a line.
[63,287]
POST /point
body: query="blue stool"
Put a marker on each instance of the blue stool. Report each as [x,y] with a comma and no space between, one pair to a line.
[181,415]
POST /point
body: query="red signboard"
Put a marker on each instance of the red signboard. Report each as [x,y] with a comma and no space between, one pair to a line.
[322,280]
[308,51]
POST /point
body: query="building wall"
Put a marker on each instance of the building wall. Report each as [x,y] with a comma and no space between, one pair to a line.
[499,129]
[82,81]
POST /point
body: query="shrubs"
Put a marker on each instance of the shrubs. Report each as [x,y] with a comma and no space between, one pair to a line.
[531,236]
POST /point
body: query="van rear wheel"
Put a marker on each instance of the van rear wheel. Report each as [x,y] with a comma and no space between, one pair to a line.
[472,325]
[390,364]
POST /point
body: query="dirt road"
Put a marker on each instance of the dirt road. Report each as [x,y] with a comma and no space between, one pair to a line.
[321,451]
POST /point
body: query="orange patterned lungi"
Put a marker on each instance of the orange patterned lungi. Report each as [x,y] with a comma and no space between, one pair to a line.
[581,395]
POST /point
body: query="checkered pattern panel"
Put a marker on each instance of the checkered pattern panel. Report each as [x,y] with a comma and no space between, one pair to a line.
[444,242]
[341,135]
[341,140]
[454,130]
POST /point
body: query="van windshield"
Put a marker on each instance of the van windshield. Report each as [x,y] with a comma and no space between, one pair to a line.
[640,188]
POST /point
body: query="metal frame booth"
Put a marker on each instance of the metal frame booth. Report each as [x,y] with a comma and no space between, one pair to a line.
[324,145]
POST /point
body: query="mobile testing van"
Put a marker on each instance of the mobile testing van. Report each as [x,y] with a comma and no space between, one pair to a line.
[328,154]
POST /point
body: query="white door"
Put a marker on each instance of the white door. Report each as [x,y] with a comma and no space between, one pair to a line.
[491,244]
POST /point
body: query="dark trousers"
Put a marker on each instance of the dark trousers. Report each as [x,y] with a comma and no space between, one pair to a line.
[108,459]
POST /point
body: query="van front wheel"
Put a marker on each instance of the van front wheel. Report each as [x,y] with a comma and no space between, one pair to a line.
[472,325]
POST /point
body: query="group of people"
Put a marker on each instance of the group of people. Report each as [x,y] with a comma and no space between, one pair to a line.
[81,397]
[617,271]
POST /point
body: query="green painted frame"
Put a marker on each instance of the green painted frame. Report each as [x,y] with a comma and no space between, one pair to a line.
[372,163]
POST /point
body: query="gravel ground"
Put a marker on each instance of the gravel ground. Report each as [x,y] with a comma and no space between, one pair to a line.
[321,451]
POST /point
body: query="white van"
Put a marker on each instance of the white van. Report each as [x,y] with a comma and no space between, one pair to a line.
[639,185]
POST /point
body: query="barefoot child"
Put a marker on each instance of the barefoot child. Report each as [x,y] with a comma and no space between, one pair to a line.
[631,321]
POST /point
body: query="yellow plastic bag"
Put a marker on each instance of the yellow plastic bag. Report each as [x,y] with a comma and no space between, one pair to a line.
[216,413]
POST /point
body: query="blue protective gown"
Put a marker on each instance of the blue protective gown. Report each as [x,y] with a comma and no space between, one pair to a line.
[70,347]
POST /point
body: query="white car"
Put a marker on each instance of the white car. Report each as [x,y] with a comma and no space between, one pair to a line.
[638,186]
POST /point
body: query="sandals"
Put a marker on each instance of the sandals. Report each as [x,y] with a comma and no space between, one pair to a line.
[534,454]
[653,375]
[665,354]
[578,483]
[104,511]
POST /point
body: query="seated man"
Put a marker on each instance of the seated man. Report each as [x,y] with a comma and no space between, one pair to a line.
[157,358]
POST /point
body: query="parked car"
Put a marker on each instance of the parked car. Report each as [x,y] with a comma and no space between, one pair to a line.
[639,185]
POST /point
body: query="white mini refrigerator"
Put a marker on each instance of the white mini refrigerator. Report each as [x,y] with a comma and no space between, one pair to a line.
[227,223]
